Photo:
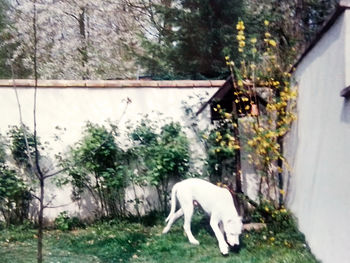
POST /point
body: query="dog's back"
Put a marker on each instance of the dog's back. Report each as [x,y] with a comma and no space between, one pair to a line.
[208,195]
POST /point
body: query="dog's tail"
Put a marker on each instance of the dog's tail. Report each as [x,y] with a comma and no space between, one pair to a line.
[173,202]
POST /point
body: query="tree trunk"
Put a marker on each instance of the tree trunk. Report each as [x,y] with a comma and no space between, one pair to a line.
[83,50]
[40,221]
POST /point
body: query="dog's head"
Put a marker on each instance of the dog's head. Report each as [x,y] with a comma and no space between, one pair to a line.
[233,228]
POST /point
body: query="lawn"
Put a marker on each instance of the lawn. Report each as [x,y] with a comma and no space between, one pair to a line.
[122,241]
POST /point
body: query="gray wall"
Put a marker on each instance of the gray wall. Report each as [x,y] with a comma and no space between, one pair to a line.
[318,148]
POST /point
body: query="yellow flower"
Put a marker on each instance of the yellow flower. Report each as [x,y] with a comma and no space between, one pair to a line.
[241,43]
[267,35]
[272,42]
[272,239]
[236,147]
[282,192]
[266,209]
[227,58]
[240,25]
[253,40]
[266,22]
[240,37]
[228,115]
[253,66]
[236,100]
[240,83]
[240,50]
[254,50]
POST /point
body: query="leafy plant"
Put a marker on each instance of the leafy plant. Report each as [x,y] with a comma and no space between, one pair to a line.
[64,222]
[14,192]
[281,228]
[97,164]
[14,196]
[221,147]
[162,155]
[19,138]
[261,72]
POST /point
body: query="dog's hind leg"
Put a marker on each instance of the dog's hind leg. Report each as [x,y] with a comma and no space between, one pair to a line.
[173,202]
[172,219]
[188,212]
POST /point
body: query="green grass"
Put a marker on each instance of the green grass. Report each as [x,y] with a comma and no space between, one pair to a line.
[132,242]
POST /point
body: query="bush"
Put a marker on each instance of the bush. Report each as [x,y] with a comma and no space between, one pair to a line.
[161,155]
[97,164]
[281,227]
[64,222]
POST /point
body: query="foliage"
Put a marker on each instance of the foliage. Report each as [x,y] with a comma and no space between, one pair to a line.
[14,192]
[14,196]
[162,155]
[293,22]
[75,39]
[281,228]
[221,147]
[97,164]
[19,137]
[121,241]
[261,72]
[191,36]
[4,72]
[64,222]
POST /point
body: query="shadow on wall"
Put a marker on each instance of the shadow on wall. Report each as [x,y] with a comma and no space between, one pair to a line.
[345,113]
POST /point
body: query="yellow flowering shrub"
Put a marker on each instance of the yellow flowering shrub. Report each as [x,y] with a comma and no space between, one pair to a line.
[261,69]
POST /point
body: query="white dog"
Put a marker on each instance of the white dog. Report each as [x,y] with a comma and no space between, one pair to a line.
[215,201]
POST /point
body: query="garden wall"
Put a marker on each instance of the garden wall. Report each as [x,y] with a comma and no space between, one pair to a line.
[318,148]
[70,104]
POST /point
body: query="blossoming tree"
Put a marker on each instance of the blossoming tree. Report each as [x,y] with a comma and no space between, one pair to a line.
[76,39]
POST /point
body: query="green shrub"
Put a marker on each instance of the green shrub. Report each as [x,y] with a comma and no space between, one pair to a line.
[161,155]
[98,165]
[64,222]
[14,192]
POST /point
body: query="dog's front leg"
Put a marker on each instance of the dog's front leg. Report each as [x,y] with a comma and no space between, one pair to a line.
[214,223]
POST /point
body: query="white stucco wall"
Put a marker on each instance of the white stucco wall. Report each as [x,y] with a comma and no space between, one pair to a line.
[318,148]
[71,108]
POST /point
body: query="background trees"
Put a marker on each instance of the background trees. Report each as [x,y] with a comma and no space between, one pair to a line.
[166,39]
[76,39]
[191,38]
